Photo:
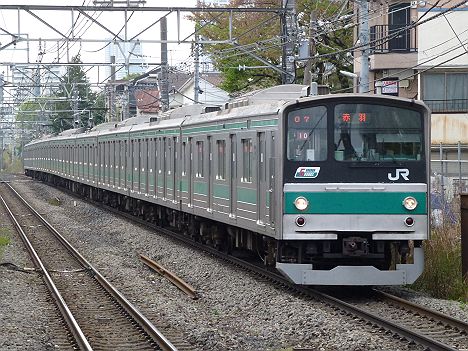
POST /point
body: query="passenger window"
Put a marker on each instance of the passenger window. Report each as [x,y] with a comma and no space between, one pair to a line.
[221,172]
[183,158]
[199,173]
[247,151]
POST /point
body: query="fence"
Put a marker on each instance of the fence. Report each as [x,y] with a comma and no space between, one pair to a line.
[449,170]
[449,178]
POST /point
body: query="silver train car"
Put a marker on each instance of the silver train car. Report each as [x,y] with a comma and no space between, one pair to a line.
[330,189]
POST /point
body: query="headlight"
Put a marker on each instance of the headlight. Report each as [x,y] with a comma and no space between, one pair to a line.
[410,203]
[301,203]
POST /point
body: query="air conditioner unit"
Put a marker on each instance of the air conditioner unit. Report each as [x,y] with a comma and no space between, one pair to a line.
[414,4]
[404,83]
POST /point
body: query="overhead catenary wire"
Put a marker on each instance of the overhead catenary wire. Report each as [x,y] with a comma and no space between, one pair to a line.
[387,38]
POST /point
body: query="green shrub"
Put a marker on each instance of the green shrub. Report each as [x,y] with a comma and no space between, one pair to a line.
[442,275]
[4,239]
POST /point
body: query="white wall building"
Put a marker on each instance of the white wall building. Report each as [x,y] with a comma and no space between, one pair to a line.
[443,63]
[128,54]
[209,92]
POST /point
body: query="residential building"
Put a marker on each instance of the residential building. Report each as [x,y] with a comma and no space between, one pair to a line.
[443,68]
[418,50]
[393,49]
[182,89]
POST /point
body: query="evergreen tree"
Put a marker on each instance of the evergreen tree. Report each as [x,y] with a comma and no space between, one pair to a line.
[81,107]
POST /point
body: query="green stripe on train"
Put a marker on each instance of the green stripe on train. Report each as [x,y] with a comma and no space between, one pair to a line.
[245,195]
[355,203]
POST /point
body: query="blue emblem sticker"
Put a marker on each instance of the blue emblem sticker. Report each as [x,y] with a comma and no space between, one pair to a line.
[307,172]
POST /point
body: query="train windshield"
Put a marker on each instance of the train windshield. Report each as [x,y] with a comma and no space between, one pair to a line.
[307,134]
[376,133]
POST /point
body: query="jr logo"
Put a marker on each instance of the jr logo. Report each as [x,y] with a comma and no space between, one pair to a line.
[403,172]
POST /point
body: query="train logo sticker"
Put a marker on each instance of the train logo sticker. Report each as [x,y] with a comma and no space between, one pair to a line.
[403,172]
[307,172]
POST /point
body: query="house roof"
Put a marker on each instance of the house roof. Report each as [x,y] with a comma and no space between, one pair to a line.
[214,78]
[148,100]
[178,80]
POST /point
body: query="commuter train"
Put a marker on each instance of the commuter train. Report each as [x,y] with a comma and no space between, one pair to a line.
[330,189]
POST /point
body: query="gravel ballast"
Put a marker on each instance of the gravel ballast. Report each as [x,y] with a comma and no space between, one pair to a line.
[235,311]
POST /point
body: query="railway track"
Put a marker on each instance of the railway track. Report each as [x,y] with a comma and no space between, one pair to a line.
[446,329]
[97,315]
[427,336]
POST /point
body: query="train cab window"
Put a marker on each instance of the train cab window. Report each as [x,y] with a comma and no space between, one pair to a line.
[307,134]
[221,171]
[377,133]
[199,173]
[247,153]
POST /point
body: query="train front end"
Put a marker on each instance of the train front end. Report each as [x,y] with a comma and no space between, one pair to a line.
[355,202]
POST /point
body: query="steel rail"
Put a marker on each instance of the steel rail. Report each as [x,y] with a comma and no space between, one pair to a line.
[149,328]
[173,278]
[418,338]
[275,277]
[454,322]
[72,324]
[410,334]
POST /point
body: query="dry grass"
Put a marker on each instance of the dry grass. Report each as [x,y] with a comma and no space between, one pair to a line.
[442,275]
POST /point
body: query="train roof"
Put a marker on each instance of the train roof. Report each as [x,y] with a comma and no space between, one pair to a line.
[258,103]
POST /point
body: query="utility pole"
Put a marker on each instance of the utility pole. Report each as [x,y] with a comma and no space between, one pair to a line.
[125,102]
[112,117]
[196,74]
[364,42]
[164,69]
[310,66]
[76,114]
[288,40]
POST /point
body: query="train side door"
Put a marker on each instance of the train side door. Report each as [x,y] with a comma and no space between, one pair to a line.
[106,162]
[112,162]
[169,186]
[131,163]
[262,185]
[174,169]
[115,161]
[151,168]
[233,175]
[157,156]
[138,174]
[271,146]
[210,174]
[147,165]
[165,155]
[190,171]
[124,164]
[144,166]
[102,174]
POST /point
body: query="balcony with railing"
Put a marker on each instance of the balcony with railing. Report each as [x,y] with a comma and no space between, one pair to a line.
[392,38]
[448,106]
[392,46]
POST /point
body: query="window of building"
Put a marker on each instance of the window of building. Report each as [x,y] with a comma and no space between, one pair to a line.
[446,92]
[221,172]
[247,153]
